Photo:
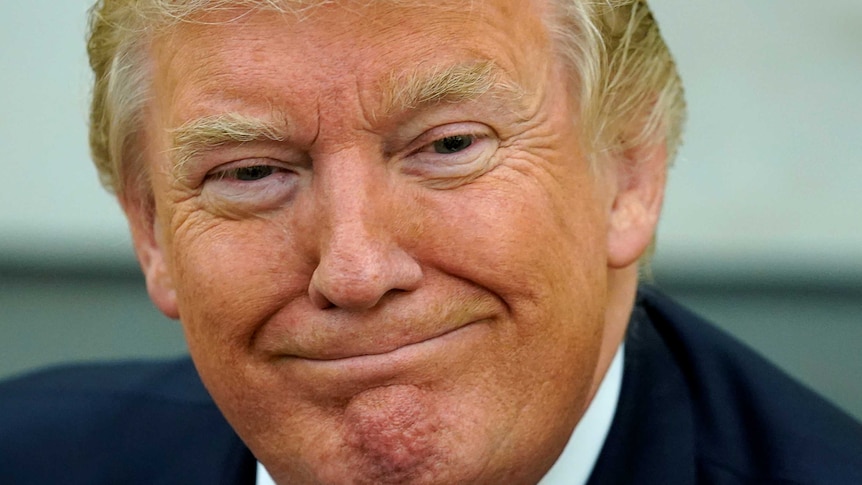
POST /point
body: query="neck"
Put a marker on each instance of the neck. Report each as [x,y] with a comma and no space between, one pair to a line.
[622,289]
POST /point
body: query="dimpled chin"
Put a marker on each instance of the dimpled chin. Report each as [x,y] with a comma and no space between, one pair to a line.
[394,434]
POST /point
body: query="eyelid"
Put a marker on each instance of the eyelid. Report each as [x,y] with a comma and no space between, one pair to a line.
[225,194]
[450,170]
[477,131]
[245,163]
[213,159]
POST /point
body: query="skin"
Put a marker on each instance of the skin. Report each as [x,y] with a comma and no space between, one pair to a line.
[373,311]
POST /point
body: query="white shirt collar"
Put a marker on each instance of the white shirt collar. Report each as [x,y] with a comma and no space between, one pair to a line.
[575,464]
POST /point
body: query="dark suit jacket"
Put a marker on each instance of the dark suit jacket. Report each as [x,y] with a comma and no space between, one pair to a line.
[695,407]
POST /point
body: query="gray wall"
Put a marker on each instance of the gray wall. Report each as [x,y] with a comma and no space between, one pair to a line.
[761,230]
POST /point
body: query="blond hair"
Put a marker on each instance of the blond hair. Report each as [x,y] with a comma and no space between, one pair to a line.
[627,85]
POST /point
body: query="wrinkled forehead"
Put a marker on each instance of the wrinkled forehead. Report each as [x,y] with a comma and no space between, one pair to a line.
[348,39]
[361,18]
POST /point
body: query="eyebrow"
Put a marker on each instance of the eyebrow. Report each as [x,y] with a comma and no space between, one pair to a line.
[208,132]
[411,90]
[453,84]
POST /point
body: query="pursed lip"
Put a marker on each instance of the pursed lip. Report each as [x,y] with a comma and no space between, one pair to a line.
[417,362]
[304,333]
[382,350]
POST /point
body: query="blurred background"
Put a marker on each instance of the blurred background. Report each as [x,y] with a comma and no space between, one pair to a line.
[762,231]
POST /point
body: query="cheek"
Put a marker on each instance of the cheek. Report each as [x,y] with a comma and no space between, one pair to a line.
[524,240]
[542,252]
[230,277]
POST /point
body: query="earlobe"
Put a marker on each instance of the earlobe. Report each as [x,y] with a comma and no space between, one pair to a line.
[640,180]
[145,231]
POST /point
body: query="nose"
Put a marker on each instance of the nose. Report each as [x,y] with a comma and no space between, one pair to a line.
[357,271]
[360,257]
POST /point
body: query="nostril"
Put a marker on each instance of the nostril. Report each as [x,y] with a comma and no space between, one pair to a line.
[318,299]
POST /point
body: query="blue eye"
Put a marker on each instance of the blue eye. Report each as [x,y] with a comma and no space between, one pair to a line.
[249,174]
[452,144]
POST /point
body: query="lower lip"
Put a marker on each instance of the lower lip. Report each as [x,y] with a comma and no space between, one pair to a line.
[418,358]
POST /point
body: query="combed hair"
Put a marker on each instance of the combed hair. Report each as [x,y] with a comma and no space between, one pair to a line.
[626,82]
[629,89]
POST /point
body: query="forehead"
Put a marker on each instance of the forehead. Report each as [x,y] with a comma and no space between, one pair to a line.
[338,43]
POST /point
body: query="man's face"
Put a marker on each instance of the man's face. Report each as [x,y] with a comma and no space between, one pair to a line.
[403,277]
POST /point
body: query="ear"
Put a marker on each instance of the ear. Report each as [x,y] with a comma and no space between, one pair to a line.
[147,240]
[638,177]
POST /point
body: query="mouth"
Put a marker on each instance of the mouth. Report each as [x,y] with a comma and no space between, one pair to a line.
[303,333]
[428,356]
[377,349]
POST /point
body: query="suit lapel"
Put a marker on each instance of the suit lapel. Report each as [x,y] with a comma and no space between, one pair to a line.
[652,438]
